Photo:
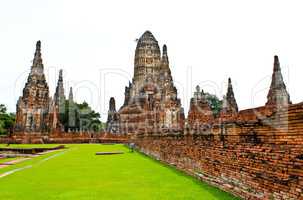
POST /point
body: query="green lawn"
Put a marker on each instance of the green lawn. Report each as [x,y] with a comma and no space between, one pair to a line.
[77,173]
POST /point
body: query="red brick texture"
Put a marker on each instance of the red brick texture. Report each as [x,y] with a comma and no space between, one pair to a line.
[256,155]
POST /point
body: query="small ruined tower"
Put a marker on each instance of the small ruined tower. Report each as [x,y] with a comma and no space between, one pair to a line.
[32,113]
[59,96]
[126,95]
[199,111]
[113,123]
[165,78]
[165,69]
[277,94]
[229,106]
[59,102]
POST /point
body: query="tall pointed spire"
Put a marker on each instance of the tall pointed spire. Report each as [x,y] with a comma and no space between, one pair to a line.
[34,103]
[59,96]
[277,94]
[71,95]
[164,68]
[61,75]
[112,104]
[164,55]
[37,66]
[276,63]
[229,101]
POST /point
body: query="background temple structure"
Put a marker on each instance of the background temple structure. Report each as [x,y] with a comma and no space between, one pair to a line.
[151,104]
[43,119]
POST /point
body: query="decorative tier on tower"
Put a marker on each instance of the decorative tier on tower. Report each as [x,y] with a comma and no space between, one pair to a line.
[277,94]
[147,58]
[151,104]
[33,107]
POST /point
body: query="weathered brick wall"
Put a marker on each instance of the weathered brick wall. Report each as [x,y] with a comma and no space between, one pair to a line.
[258,155]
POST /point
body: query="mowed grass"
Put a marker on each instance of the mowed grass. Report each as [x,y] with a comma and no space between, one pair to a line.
[77,173]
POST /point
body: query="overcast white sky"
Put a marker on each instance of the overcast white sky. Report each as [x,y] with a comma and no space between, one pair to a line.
[208,41]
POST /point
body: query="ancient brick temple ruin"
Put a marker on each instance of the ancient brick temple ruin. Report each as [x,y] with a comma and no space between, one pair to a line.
[37,112]
[199,112]
[255,153]
[151,103]
[35,105]
[42,119]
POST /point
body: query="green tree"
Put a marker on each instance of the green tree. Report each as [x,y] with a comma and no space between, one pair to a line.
[7,120]
[80,117]
[2,109]
[89,120]
[214,102]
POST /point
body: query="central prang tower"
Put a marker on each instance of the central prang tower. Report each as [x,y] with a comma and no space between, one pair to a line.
[151,104]
[147,58]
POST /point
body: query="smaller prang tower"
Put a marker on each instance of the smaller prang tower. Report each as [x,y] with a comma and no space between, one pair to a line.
[230,106]
[277,95]
[113,119]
